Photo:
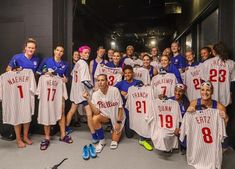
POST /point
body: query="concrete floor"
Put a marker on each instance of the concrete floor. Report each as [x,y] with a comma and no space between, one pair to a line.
[129,155]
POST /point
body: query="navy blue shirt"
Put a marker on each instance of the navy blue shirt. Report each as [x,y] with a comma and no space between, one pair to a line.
[124,86]
[111,64]
[60,68]
[179,61]
[195,63]
[184,104]
[172,69]
[20,60]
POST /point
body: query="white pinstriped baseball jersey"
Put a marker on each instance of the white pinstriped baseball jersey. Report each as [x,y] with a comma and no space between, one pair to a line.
[109,103]
[167,117]
[17,94]
[164,84]
[51,91]
[142,74]
[139,103]
[193,82]
[114,75]
[205,130]
[220,74]
[79,74]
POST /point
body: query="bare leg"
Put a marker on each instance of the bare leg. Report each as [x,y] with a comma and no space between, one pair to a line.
[62,121]
[89,118]
[70,114]
[47,130]
[19,141]
[116,136]
[62,126]
[26,134]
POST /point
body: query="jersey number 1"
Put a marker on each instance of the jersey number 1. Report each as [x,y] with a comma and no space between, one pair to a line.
[20,91]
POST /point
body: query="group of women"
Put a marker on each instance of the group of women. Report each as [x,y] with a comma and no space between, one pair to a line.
[170,61]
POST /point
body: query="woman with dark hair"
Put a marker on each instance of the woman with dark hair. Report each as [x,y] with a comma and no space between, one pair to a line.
[220,71]
[116,60]
[55,65]
[170,68]
[205,53]
[146,64]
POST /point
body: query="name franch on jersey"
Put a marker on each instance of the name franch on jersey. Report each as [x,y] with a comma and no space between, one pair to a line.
[140,94]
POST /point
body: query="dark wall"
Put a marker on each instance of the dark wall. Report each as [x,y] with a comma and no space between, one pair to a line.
[20,19]
[49,22]
[190,11]
[89,29]
[227,35]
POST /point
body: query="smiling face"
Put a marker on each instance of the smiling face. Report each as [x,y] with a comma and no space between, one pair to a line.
[206,92]
[167,52]
[175,47]
[146,61]
[30,49]
[189,56]
[102,82]
[178,93]
[76,56]
[100,52]
[128,74]
[205,54]
[154,51]
[116,58]
[58,52]
[165,61]
[85,54]
[130,51]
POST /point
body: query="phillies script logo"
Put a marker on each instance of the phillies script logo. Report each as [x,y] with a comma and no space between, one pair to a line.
[106,104]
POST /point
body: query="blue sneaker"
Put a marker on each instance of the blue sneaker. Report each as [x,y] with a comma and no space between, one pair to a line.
[85,153]
[68,130]
[92,151]
[94,141]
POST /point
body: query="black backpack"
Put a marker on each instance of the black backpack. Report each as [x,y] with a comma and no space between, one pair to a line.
[6,130]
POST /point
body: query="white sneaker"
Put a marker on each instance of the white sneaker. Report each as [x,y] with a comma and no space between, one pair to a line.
[113,145]
[100,146]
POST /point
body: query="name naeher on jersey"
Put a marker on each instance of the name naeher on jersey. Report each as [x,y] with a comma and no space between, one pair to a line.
[19,79]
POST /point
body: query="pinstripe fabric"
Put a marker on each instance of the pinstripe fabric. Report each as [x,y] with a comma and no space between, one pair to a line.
[205,130]
[18,89]
[164,84]
[51,92]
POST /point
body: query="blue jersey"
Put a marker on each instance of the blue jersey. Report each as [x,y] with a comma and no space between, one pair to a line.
[172,69]
[151,73]
[111,64]
[195,63]
[179,61]
[184,104]
[199,104]
[124,86]
[60,68]
[20,60]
